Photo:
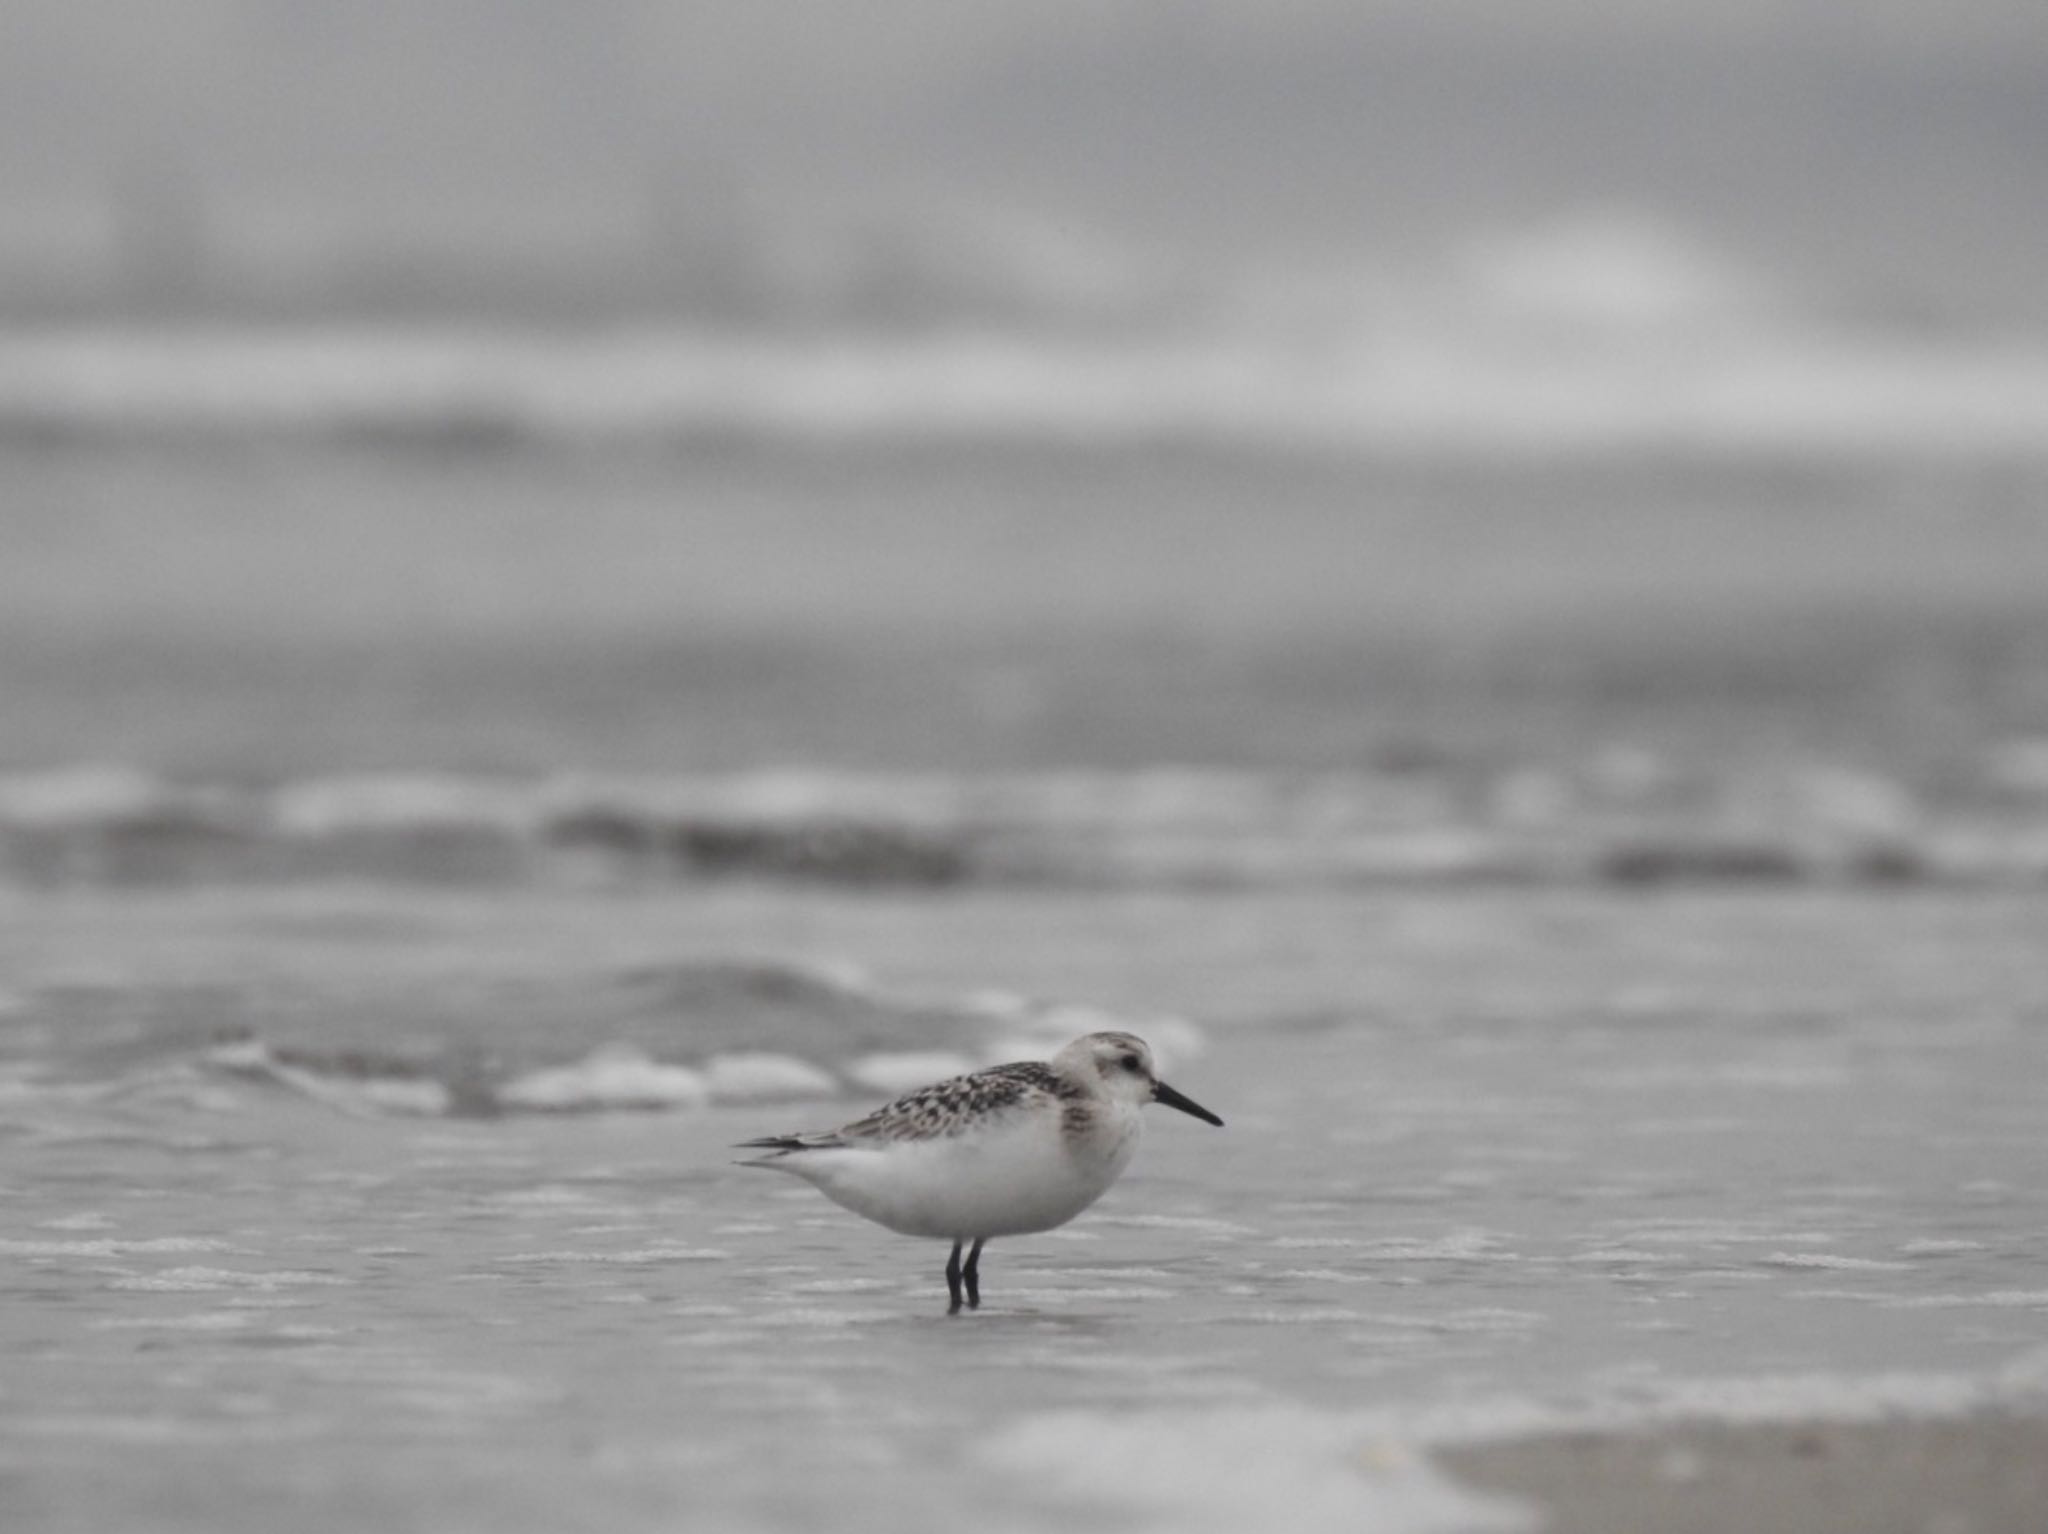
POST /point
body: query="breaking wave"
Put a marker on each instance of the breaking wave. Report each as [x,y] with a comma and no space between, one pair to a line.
[669,1037]
[1513,388]
[1637,823]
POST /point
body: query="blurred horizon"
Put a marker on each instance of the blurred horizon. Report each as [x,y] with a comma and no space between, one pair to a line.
[920,164]
[1391,229]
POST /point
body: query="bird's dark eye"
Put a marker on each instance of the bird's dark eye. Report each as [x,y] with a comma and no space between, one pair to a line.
[1129,1062]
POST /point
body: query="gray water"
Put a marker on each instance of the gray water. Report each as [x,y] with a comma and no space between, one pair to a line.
[1495,1161]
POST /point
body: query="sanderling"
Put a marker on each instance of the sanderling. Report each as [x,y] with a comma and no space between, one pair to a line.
[1001,1152]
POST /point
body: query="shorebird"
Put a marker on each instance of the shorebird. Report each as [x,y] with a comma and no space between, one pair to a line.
[1000,1152]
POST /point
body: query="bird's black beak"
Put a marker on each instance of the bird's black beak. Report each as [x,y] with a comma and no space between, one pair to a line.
[1162,1093]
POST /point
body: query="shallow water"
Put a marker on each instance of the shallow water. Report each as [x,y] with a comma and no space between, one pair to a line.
[1495,1160]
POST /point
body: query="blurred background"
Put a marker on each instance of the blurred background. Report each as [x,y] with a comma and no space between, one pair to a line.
[583,583]
[1300,438]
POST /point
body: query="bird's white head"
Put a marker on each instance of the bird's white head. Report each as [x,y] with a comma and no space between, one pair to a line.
[1118,1066]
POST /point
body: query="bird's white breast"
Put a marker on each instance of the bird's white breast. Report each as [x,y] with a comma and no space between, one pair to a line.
[1024,1172]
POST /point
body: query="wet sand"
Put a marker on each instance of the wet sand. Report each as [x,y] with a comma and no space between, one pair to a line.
[1981,1475]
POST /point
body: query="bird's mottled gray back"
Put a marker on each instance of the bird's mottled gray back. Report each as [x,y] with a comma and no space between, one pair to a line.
[948,1108]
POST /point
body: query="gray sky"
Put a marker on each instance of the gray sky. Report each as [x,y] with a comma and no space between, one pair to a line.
[1898,150]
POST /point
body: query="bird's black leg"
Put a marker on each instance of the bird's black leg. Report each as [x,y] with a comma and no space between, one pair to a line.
[953,1279]
[971,1275]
